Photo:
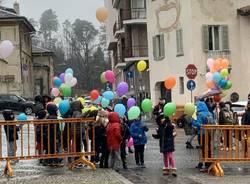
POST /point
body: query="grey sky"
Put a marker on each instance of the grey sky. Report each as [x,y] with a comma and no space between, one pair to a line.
[65,9]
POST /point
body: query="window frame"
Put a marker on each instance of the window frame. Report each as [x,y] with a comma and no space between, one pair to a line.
[179,43]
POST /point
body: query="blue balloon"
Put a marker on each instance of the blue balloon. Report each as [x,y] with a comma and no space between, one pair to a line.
[109,95]
[69,70]
[120,109]
[223,83]
[105,102]
[64,107]
[57,82]
[98,100]
[217,77]
[22,117]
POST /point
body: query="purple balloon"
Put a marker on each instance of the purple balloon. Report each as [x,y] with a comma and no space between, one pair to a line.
[62,75]
[122,89]
[131,102]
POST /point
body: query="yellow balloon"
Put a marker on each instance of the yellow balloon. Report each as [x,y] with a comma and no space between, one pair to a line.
[82,100]
[141,66]
[102,14]
[103,79]
[57,100]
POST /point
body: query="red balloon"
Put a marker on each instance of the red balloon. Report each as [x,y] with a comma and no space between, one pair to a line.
[94,95]
[217,98]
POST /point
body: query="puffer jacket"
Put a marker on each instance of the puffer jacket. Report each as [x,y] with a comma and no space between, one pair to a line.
[114,134]
[137,132]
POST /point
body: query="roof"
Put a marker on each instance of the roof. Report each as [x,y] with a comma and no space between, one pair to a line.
[9,14]
[38,51]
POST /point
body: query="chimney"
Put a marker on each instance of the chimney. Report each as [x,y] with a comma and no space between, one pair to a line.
[16,7]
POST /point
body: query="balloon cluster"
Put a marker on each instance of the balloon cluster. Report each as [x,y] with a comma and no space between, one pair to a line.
[64,83]
[218,76]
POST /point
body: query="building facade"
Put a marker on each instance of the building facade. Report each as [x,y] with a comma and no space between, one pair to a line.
[16,71]
[190,32]
[128,44]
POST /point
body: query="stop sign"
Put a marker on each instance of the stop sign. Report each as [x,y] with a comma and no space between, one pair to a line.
[191,71]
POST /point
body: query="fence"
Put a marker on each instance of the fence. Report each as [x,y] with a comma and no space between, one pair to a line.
[224,143]
[54,138]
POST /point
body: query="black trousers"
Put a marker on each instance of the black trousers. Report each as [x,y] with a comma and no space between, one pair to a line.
[139,154]
[123,154]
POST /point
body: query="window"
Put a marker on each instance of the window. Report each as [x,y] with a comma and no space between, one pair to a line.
[179,42]
[14,98]
[181,83]
[158,47]
[215,37]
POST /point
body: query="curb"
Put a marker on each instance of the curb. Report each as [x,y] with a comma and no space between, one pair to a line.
[119,177]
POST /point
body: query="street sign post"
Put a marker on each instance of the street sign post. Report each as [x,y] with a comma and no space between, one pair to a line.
[191,85]
[191,71]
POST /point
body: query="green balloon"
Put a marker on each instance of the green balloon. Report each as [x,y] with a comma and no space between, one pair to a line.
[189,109]
[133,113]
[224,73]
[169,109]
[105,102]
[65,90]
[229,85]
[146,105]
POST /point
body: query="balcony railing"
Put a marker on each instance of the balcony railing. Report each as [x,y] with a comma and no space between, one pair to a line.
[136,51]
[133,13]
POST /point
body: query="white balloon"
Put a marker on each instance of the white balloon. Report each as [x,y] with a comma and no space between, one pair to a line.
[6,49]
[68,78]
[73,82]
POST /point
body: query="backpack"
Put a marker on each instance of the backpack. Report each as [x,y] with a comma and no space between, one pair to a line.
[210,120]
[228,117]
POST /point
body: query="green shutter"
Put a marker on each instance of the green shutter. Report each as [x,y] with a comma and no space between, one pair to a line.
[205,38]
[225,37]
[154,47]
[162,46]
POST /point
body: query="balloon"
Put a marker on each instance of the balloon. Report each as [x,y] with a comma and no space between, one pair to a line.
[229,85]
[189,109]
[73,82]
[55,92]
[223,83]
[131,102]
[110,76]
[109,95]
[147,105]
[81,99]
[122,89]
[94,94]
[169,109]
[98,100]
[210,62]
[217,98]
[68,78]
[65,90]
[57,82]
[141,66]
[224,63]
[62,75]
[103,79]
[210,84]
[102,14]
[64,107]
[6,49]
[209,76]
[170,82]
[69,70]
[57,100]
[21,117]
[224,73]
[120,109]
[134,113]
[105,102]
[216,77]
[217,65]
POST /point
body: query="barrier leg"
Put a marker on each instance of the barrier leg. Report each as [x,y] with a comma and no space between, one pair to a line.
[82,160]
[215,169]
[8,169]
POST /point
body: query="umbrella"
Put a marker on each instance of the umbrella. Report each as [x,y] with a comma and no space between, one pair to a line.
[210,93]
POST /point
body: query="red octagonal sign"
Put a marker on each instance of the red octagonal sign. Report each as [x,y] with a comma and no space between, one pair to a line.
[191,71]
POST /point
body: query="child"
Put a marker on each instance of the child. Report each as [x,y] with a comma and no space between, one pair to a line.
[137,131]
[114,137]
[10,130]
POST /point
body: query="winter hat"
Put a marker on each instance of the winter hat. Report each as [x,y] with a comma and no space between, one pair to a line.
[8,115]
[41,114]
[52,109]
[38,98]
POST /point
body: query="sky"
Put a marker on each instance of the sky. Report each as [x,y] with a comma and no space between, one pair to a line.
[65,9]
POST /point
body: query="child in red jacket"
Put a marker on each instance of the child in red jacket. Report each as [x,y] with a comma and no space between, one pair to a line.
[114,137]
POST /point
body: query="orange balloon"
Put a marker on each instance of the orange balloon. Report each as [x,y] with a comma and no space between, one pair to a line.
[210,84]
[102,14]
[217,64]
[170,82]
[212,70]
[224,63]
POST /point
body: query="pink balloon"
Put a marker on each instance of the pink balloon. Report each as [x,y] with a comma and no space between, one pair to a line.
[209,76]
[55,92]
[110,76]
[210,62]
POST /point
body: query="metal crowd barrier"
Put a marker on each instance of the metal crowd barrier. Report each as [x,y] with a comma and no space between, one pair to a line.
[224,143]
[64,138]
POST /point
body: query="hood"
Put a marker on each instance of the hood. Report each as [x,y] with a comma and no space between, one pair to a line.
[201,107]
[8,115]
[113,117]
[76,106]
[102,113]
[52,109]
[38,98]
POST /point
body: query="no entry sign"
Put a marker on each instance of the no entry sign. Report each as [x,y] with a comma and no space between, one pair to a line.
[191,71]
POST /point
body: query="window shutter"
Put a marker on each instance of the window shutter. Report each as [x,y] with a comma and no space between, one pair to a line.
[177,42]
[181,42]
[154,47]
[205,38]
[225,37]
[162,46]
